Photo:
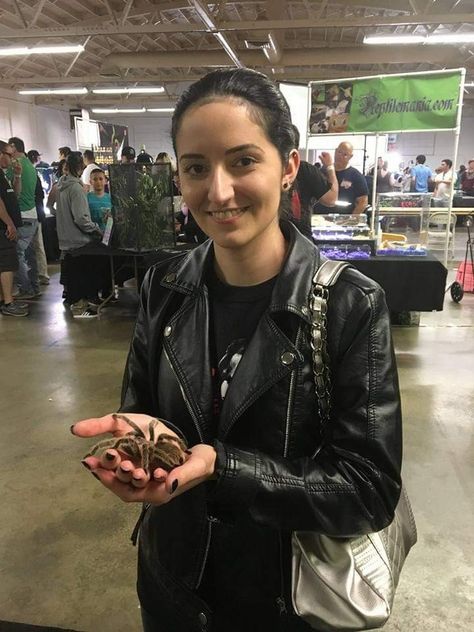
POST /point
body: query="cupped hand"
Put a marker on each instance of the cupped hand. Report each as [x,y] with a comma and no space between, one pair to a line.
[129,481]
[326,159]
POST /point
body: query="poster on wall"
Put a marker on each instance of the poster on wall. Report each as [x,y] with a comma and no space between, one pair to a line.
[385,104]
[115,136]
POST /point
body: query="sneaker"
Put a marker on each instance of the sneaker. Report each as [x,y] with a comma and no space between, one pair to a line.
[22,304]
[86,314]
[27,295]
[13,309]
[44,280]
[81,309]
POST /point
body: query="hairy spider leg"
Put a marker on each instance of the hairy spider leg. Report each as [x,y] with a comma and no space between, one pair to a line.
[131,423]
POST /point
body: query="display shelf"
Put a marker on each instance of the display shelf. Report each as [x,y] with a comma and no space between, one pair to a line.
[339,231]
[403,219]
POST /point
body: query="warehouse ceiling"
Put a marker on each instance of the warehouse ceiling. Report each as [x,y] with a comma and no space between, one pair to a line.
[153,42]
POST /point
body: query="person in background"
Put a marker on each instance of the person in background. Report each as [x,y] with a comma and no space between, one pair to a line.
[128,156]
[89,162]
[53,193]
[311,186]
[64,152]
[27,280]
[144,158]
[459,174]
[443,180]
[98,199]
[76,230]
[352,184]
[10,221]
[221,350]
[467,180]
[44,169]
[421,175]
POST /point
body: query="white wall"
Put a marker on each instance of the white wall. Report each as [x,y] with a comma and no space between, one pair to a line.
[152,131]
[41,128]
[439,145]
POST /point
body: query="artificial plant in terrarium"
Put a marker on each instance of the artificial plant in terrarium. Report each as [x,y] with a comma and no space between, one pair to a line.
[142,206]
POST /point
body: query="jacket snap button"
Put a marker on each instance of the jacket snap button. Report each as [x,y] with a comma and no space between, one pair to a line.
[170,278]
[287,358]
[202,618]
[168,331]
[305,310]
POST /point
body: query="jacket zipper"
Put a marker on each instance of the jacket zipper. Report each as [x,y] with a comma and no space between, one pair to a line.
[210,521]
[281,603]
[186,401]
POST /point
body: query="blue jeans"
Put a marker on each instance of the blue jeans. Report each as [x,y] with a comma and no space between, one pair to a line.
[27,275]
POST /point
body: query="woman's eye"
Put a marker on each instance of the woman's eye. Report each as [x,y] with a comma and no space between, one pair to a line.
[245,161]
[194,170]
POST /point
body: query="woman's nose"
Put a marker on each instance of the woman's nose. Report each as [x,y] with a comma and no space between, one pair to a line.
[220,186]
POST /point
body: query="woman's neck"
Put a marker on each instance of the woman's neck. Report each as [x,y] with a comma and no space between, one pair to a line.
[258,261]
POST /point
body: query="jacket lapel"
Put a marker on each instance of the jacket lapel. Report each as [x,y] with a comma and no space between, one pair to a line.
[268,358]
[191,360]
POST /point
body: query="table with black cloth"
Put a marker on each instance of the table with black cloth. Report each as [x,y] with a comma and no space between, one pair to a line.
[411,284]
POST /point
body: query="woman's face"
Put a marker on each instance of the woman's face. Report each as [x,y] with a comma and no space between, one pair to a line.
[230,174]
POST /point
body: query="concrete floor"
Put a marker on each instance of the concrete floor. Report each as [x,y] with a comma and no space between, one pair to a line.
[65,555]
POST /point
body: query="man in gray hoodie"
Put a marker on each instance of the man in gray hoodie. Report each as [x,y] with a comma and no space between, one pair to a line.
[76,230]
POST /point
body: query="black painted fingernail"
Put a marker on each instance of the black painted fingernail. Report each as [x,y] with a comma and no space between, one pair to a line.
[86,465]
[72,429]
[187,452]
[109,456]
[95,475]
[174,486]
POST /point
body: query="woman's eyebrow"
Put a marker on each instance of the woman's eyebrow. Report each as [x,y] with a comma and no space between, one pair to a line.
[232,150]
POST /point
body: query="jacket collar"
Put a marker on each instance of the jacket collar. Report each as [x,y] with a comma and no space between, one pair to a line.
[292,288]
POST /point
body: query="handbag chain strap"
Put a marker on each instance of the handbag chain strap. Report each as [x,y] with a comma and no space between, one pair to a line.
[326,276]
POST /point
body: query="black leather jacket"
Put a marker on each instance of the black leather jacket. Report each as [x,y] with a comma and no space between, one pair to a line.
[269,481]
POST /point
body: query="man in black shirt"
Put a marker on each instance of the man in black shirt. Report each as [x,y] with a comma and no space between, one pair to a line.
[352,184]
[10,219]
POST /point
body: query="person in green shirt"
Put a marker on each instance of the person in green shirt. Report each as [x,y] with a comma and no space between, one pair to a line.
[28,235]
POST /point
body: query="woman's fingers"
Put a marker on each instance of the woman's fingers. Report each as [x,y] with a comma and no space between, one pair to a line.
[124,471]
[140,478]
[110,459]
[150,492]
[99,425]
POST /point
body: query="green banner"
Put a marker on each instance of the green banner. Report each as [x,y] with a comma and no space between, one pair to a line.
[385,104]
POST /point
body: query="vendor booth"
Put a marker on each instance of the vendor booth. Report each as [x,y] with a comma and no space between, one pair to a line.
[395,240]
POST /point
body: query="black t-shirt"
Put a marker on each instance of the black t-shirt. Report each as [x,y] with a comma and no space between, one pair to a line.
[8,196]
[310,185]
[352,185]
[235,313]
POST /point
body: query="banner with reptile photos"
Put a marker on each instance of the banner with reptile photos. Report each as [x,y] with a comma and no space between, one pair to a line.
[385,104]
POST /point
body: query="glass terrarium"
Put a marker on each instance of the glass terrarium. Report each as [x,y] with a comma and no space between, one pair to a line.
[142,206]
[337,229]
[403,219]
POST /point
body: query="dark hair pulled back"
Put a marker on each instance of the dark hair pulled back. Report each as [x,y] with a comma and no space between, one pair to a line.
[266,102]
[74,163]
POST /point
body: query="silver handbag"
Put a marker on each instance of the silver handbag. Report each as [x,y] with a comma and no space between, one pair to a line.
[345,583]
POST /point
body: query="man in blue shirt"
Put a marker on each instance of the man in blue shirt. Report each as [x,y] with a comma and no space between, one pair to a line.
[421,175]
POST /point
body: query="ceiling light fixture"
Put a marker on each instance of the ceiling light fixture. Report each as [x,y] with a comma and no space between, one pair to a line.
[55,91]
[130,110]
[41,50]
[160,109]
[447,38]
[143,90]
[394,39]
[118,110]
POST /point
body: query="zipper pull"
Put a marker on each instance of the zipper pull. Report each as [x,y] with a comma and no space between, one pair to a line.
[281,605]
[134,536]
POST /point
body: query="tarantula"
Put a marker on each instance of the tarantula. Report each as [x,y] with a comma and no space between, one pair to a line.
[166,451]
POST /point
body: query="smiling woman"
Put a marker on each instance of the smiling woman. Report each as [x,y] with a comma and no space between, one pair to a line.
[221,355]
